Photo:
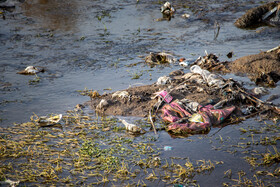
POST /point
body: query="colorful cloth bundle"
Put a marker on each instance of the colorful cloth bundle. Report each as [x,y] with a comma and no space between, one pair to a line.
[183,121]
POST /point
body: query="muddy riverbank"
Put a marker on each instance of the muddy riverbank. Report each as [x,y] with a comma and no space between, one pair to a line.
[92,45]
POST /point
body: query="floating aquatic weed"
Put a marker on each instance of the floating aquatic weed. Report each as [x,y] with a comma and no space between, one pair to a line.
[228,174]
[205,166]
[123,171]
[152,176]
[91,93]
[35,80]
[269,158]
[181,172]
[189,166]
[86,154]
[137,75]
[242,130]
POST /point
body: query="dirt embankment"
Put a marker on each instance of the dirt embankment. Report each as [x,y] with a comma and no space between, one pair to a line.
[262,68]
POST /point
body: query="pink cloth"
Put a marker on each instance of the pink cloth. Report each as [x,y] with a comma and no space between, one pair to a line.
[173,113]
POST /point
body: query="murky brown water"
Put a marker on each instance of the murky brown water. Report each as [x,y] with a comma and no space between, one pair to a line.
[88,44]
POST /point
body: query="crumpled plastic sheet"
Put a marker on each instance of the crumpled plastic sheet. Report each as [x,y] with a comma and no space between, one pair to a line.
[210,78]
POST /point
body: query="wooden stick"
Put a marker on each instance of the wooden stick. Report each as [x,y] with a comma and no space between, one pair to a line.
[151,119]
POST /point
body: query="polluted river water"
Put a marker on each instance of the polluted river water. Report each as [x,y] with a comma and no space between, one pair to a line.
[92,45]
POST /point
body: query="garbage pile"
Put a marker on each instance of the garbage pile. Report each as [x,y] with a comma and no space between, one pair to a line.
[262,68]
[185,116]
[188,102]
[267,13]
[211,62]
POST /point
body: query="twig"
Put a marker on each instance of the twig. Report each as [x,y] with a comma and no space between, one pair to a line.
[256,100]
[151,119]
[216,25]
[273,49]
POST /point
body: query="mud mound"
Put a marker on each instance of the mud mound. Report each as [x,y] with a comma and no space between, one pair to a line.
[254,15]
[262,67]
[260,63]
[138,100]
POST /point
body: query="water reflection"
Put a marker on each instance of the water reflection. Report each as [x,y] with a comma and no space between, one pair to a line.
[53,14]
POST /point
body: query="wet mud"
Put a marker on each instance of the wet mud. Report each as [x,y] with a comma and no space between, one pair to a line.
[262,68]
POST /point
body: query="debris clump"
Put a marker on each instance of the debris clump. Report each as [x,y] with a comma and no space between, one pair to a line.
[31,70]
[256,15]
[175,96]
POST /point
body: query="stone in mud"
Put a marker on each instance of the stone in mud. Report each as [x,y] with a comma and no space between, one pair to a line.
[254,16]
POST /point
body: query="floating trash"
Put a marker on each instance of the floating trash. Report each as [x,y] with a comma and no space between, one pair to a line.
[211,79]
[167,148]
[164,95]
[268,12]
[185,16]
[45,121]
[230,54]
[190,105]
[9,182]
[167,9]
[184,64]
[196,118]
[160,58]
[131,127]
[260,91]
[31,70]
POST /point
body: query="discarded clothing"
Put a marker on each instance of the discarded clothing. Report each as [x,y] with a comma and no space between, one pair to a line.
[184,120]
